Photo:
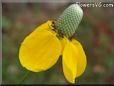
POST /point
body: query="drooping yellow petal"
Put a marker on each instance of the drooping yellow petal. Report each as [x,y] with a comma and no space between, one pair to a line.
[69,61]
[81,58]
[40,50]
[63,43]
[45,26]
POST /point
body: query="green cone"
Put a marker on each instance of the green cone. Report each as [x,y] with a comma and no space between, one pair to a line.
[68,22]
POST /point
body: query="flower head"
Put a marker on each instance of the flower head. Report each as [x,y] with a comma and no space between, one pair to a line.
[41,49]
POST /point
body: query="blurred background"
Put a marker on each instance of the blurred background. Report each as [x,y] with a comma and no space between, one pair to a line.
[95,32]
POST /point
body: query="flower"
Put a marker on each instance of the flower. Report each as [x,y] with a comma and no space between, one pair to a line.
[41,49]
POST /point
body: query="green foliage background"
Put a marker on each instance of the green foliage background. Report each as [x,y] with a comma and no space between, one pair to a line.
[95,32]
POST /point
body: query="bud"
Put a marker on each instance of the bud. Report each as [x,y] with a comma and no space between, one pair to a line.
[68,22]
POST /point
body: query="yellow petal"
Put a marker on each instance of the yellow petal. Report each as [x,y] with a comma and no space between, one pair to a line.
[45,26]
[63,43]
[40,50]
[81,58]
[69,61]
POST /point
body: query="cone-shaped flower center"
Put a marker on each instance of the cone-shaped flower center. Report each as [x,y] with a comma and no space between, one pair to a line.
[68,22]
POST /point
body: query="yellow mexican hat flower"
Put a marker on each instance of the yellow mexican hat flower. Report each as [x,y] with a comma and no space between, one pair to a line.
[42,48]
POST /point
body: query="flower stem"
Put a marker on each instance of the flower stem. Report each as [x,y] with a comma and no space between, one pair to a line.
[25,76]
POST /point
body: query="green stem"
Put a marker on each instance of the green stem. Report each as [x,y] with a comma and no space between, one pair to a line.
[25,76]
